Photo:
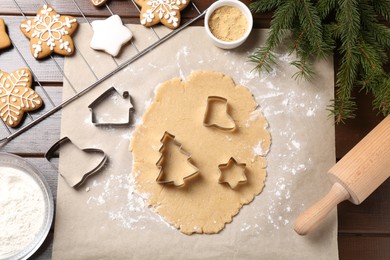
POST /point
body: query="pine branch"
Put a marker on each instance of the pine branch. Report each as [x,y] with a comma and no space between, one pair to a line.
[311,24]
[305,70]
[282,20]
[319,27]
[263,58]
[324,7]
[264,6]
[383,8]
[371,25]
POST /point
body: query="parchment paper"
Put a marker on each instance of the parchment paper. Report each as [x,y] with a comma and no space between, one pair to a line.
[107,219]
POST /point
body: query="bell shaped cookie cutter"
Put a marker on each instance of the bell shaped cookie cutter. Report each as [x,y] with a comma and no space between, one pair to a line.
[224,166]
[112,90]
[51,153]
[210,101]
[161,176]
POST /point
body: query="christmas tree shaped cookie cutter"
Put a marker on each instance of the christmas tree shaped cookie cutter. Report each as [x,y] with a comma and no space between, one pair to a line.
[225,166]
[207,122]
[162,178]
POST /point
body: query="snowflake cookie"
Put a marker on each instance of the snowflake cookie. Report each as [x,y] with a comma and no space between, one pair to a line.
[49,32]
[165,11]
[4,39]
[16,96]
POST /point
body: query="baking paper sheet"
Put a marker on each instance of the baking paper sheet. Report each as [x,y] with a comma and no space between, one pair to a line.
[107,219]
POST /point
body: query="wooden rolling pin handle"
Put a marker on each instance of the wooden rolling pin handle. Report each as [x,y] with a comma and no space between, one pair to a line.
[313,216]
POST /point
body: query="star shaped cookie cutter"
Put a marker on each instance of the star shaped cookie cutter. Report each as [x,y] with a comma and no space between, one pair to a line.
[161,176]
[104,96]
[224,166]
[211,100]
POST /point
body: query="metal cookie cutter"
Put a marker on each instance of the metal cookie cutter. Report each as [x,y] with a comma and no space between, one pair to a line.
[210,101]
[161,178]
[230,163]
[104,96]
[77,181]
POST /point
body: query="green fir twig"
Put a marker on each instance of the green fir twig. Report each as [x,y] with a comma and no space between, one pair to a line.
[319,28]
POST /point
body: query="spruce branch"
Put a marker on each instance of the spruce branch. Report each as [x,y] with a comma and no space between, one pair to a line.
[264,6]
[318,28]
[382,7]
[263,58]
[305,70]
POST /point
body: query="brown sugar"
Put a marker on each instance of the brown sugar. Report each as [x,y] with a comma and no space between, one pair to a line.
[228,23]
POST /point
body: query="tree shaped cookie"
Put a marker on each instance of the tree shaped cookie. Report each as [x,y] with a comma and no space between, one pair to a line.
[16,96]
[49,32]
[165,11]
[4,39]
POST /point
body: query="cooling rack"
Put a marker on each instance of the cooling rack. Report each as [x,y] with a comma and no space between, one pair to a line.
[10,133]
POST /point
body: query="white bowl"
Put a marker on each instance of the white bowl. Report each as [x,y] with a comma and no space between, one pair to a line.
[244,9]
[16,162]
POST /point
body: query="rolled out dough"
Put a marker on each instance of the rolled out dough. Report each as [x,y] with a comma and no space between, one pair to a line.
[203,205]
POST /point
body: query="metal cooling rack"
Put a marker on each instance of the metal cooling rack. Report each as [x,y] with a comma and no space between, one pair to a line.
[46,97]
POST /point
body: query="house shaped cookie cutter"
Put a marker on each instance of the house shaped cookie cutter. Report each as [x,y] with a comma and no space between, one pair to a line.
[210,101]
[223,166]
[50,154]
[104,96]
[160,178]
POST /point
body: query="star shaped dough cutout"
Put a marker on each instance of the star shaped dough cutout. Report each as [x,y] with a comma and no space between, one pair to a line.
[232,173]
[110,35]
[49,32]
[165,11]
[4,39]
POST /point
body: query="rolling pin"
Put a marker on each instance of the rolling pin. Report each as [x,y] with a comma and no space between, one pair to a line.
[355,176]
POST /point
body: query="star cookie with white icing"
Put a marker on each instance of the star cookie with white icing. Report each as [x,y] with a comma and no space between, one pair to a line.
[16,96]
[110,35]
[165,11]
[98,2]
[49,32]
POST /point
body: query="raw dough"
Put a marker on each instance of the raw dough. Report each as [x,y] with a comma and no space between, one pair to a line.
[202,205]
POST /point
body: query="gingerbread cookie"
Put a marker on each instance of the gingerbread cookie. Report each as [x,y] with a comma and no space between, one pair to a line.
[16,96]
[98,2]
[165,11]
[49,32]
[4,39]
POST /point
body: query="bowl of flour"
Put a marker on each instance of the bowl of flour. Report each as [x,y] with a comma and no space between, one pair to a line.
[26,208]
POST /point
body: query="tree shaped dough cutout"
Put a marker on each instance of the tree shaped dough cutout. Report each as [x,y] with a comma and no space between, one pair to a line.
[175,163]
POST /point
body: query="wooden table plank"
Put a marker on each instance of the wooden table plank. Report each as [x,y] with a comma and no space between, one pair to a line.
[353,247]
[124,8]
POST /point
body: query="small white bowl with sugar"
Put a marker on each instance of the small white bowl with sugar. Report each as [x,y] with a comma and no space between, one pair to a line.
[228,23]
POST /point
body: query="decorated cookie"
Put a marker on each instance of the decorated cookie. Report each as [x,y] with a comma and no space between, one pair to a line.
[16,96]
[4,39]
[49,32]
[110,35]
[98,2]
[165,11]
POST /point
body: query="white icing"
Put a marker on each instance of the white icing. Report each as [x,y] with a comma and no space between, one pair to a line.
[110,35]
[166,9]
[9,93]
[48,28]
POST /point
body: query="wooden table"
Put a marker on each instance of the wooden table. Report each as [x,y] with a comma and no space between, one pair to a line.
[364,231]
